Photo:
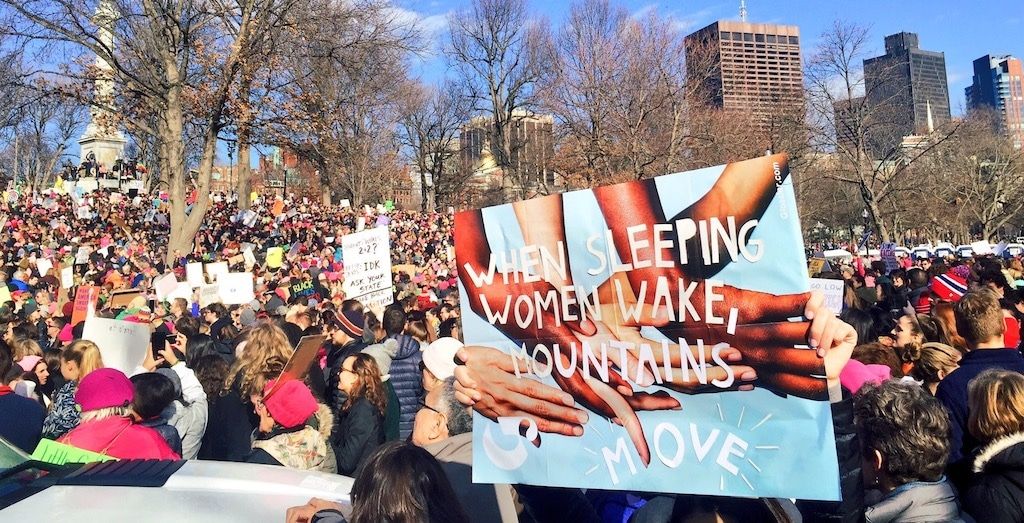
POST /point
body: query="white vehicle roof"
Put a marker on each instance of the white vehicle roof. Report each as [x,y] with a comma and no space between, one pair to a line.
[199,492]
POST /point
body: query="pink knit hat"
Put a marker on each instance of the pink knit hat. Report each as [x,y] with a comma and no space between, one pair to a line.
[291,404]
[855,374]
[103,388]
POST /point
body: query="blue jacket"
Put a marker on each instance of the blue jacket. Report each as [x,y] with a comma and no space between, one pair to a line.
[407,380]
[952,392]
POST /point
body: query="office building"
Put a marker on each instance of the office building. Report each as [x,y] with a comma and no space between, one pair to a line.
[999,85]
[904,84]
[749,67]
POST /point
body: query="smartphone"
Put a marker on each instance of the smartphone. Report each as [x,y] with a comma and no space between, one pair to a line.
[158,342]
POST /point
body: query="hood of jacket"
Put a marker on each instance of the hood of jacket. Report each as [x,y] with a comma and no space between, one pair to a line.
[407,346]
[456,449]
[324,421]
[1003,454]
[917,501]
[303,449]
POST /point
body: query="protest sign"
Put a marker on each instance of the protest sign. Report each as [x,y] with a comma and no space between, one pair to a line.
[216,269]
[194,274]
[43,265]
[815,266]
[85,302]
[718,254]
[67,277]
[209,294]
[123,344]
[981,248]
[182,290]
[235,288]
[367,260]
[250,258]
[123,298]
[833,291]
[888,254]
[278,208]
[275,256]
[5,294]
[165,285]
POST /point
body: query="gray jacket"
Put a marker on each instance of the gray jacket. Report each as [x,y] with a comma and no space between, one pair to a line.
[918,502]
[458,450]
[190,420]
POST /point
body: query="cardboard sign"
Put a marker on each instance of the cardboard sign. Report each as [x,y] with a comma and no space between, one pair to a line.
[216,269]
[165,285]
[833,291]
[209,294]
[236,288]
[194,274]
[123,344]
[736,237]
[5,294]
[298,365]
[85,303]
[123,298]
[367,256]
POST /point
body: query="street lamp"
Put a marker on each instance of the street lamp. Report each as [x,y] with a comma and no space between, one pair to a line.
[231,166]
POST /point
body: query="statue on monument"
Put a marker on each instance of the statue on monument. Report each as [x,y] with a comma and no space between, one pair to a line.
[102,142]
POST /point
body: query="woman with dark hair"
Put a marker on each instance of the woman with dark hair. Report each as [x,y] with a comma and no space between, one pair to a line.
[198,346]
[904,440]
[402,483]
[359,426]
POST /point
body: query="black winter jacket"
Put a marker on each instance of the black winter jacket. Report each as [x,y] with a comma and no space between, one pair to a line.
[357,433]
[995,489]
[229,429]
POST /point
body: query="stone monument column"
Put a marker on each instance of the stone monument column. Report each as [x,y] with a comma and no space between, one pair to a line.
[102,137]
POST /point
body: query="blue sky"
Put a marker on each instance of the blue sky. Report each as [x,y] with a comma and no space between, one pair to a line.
[964,30]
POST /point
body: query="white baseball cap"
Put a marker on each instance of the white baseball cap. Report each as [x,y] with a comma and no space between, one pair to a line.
[439,357]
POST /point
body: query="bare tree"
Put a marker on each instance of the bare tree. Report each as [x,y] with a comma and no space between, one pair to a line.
[430,132]
[41,137]
[341,96]
[500,55]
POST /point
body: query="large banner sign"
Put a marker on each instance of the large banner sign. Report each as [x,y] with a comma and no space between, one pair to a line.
[651,338]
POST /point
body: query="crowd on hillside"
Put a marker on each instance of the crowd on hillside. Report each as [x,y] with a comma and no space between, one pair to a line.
[929,423]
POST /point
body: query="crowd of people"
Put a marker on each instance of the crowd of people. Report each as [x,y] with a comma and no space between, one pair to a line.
[929,423]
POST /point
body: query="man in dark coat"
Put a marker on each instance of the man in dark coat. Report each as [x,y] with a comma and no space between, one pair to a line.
[22,417]
[405,369]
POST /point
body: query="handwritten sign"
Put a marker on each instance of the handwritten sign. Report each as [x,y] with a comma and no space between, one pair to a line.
[367,259]
[250,258]
[833,291]
[708,263]
[888,254]
[123,344]
[43,265]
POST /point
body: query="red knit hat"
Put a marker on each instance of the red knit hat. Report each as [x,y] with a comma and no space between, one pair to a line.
[949,287]
[291,404]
